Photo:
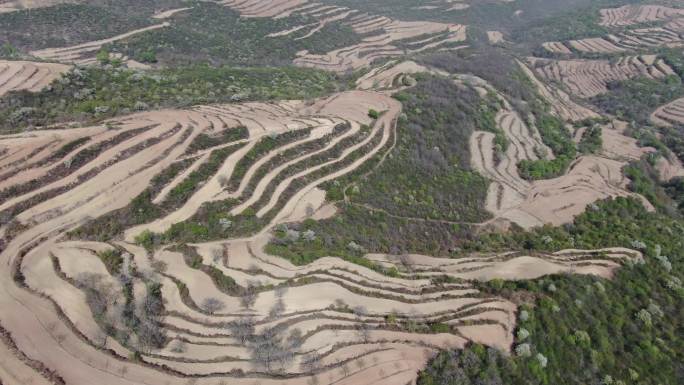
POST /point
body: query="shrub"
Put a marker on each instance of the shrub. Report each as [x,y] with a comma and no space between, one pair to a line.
[112,259]
[523,350]
[440,328]
[543,361]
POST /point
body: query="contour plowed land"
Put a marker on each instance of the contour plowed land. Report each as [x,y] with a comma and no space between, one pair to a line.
[587,78]
[387,37]
[382,36]
[663,27]
[670,113]
[637,14]
[634,39]
[29,76]
[18,5]
[553,201]
[111,311]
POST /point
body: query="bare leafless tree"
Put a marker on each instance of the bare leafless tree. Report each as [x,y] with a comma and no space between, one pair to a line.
[277,309]
[270,351]
[311,362]
[280,291]
[211,305]
[179,346]
[216,255]
[406,262]
[249,296]
[150,335]
[344,370]
[242,328]
[364,333]
[310,210]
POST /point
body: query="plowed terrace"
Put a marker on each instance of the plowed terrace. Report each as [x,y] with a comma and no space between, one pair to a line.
[226,310]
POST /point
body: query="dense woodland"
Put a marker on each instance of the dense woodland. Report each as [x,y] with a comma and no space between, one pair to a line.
[228,39]
[430,162]
[583,330]
[405,203]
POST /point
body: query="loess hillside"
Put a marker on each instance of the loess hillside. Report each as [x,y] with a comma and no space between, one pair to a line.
[348,192]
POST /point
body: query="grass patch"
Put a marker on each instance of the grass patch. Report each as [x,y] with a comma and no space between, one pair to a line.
[112,259]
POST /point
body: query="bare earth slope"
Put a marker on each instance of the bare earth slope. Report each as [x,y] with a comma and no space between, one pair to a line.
[385,32]
[555,201]
[29,76]
[346,324]
[662,27]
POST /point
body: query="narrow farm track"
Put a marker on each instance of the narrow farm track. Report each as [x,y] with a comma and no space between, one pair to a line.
[85,53]
[7,6]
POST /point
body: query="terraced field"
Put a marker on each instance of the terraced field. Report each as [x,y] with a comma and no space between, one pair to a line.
[225,310]
[388,38]
[670,113]
[664,27]
[138,249]
[528,204]
[637,14]
[562,104]
[384,37]
[29,76]
[635,39]
[587,78]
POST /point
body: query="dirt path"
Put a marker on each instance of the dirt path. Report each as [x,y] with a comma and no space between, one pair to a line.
[84,53]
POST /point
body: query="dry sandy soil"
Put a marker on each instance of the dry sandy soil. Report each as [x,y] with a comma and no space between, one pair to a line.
[495,37]
[587,78]
[381,44]
[669,113]
[353,320]
[29,76]
[555,201]
[664,27]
